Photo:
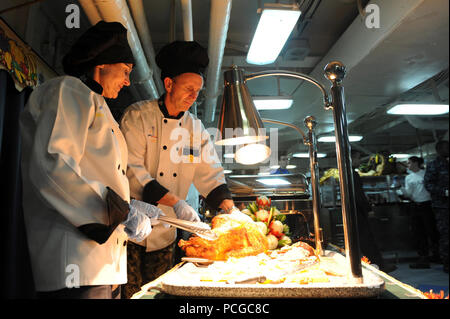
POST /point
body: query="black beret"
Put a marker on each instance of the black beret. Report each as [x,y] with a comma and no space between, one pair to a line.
[182,57]
[103,43]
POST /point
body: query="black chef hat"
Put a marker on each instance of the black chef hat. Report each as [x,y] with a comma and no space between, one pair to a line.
[104,43]
[182,57]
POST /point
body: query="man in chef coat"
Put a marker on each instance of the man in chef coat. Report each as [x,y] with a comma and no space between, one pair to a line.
[169,149]
[75,189]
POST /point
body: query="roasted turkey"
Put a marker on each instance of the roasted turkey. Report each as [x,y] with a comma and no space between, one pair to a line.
[238,236]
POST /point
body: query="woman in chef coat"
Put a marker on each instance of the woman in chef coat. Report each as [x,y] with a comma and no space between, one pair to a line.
[75,189]
[170,149]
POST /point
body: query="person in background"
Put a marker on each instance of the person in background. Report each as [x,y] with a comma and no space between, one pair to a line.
[368,244]
[169,150]
[423,222]
[76,195]
[436,182]
[283,162]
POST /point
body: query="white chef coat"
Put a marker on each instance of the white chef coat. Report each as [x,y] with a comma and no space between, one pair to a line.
[414,188]
[156,145]
[72,149]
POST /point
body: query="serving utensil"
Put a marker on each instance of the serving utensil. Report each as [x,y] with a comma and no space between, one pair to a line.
[199,228]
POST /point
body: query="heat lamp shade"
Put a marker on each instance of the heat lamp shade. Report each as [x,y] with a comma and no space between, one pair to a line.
[239,121]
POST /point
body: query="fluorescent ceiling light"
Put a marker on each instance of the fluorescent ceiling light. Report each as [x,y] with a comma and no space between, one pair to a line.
[227,171]
[306,155]
[228,155]
[291,166]
[419,109]
[274,27]
[332,139]
[401,155]
[272,102]
[273,181]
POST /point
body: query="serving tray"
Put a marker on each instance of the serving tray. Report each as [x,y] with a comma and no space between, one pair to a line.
[185,281]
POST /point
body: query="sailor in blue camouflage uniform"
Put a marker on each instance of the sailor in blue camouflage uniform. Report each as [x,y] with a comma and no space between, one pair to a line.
[436,182]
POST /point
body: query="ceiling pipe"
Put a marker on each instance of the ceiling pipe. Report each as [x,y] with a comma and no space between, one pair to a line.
[91,11]
[117,10]
[186,12]
[138,12]
[218,26]
[173,21]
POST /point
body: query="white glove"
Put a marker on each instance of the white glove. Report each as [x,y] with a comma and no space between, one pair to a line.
[150,211]
[137,225]
[186,212]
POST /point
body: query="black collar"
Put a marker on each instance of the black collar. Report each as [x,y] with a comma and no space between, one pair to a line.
[92,84]
[163,108]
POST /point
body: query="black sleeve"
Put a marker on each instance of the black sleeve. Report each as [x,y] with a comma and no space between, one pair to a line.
[117,213]
[217,195]
[153,192]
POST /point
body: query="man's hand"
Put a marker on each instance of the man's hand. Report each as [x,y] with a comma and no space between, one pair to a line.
[227,205]
[186,212]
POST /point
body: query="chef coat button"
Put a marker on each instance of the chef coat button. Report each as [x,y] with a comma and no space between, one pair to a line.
[118,167]
[179,124]
[123,172]
[165,121]
[112,130]
[124,242]
[164,147]
[161,174]
[174,174]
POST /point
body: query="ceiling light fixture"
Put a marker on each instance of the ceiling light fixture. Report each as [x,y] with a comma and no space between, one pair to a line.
[273,181]
[332,139]
[419,109]
[228,155]
[273,102]
[274,27]
[306,155]
[401,156]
